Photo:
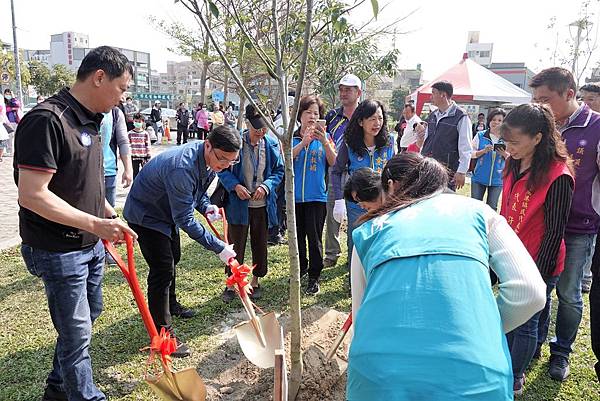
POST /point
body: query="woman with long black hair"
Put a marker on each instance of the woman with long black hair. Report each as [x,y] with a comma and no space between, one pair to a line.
[536,201]
[366,144]
[427,324]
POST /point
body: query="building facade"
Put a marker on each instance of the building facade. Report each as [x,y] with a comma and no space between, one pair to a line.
[517,73]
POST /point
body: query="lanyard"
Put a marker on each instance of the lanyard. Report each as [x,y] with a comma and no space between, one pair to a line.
[255,160]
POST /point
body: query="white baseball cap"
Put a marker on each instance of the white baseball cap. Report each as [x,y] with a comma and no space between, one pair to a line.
[351,80]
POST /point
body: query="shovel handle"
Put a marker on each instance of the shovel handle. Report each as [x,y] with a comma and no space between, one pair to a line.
[252,316]
[222,237]
[130,274]
[340,337]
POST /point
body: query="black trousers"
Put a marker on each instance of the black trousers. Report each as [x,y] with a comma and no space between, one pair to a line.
[136,164]
[282,226]
[182,130]
[258,228]
[162,255]
[595,305]
[310,220]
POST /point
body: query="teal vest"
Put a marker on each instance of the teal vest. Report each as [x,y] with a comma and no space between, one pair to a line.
[428,326]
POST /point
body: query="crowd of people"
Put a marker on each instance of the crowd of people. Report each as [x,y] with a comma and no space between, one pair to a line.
[423,261]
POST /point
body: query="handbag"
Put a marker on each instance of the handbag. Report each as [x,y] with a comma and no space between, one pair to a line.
[220,196]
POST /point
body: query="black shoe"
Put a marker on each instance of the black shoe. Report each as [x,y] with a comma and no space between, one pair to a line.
[559,367]
[329,262]
[256,293]
[597,368]
[181,311]
[313,287]
[228,295]
[538,352]
[182,350]
[53,393]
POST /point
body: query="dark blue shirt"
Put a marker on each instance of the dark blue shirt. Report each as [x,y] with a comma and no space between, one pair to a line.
[167,191]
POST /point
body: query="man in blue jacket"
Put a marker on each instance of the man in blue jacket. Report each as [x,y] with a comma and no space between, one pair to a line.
[162,200]
[252,200]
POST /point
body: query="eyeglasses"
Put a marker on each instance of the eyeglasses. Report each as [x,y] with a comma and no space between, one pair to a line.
[224,160]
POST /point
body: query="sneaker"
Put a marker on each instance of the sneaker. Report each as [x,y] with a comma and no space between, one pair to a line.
[329,262]
[53,393]
[313,287]
[586,286]
[256,293]
[180,311]
[182,350]
[559,367]
[538,352]
[228,295]
[518,386]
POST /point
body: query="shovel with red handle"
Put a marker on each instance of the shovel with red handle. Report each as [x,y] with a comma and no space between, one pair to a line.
[340,337]
[183,385]
[260,336]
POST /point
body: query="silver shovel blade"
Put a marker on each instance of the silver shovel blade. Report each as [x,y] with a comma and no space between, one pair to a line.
[263,357]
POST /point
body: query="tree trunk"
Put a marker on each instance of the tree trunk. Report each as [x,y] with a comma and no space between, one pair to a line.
[225,89]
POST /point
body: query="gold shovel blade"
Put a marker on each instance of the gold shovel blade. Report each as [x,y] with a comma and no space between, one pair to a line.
[263,357]
[183,385]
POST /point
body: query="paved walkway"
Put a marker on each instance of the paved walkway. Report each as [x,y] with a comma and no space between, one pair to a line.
[9,208]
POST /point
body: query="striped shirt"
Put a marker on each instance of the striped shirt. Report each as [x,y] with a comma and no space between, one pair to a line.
[140,144]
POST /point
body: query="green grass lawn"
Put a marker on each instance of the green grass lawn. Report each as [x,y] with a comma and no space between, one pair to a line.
[27,340]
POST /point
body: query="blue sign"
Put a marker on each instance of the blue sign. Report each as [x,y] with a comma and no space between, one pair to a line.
[153,96]
[218,96]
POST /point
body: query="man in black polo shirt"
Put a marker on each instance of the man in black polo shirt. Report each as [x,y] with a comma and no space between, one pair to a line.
[63,213]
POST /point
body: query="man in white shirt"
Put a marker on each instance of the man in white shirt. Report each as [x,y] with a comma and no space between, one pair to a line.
[448,135]
[410,135]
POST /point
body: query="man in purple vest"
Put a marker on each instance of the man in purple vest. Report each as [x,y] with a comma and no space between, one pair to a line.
[580,129]
[448,136]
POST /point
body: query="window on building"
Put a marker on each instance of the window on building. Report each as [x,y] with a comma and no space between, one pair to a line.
[484,53]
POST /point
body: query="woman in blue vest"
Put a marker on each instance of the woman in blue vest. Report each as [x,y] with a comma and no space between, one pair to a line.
[313,152]
[490,154]
[366,144]
[427,325]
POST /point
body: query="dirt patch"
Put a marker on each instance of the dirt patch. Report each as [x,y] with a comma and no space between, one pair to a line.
[229,376]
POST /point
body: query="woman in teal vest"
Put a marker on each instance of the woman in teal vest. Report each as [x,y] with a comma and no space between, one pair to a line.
[427,324]
[366,144]
[489,152]
[313,152]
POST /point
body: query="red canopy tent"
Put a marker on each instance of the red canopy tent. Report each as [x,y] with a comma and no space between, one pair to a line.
[472,83]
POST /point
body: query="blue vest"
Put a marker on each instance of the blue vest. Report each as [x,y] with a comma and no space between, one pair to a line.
[310,168]
[375,161]
[428,327]
[442,138]
[489,167]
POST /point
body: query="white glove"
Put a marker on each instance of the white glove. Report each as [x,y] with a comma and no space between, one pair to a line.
[339,210]
[212,213]
[227,253]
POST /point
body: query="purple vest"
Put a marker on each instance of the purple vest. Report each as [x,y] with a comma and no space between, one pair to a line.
[582,136]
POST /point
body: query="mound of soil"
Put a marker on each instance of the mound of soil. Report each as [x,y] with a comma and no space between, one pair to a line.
[228,375]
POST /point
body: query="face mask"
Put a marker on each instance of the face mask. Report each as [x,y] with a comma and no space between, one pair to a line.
[137,125]
[8,97]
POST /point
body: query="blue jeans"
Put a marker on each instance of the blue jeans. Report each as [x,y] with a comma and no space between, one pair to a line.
[110,189]
[493,193]
[354,212]
[73,284]
[523,340]
[580,249]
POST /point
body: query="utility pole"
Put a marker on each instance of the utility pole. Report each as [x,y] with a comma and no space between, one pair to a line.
[16,53]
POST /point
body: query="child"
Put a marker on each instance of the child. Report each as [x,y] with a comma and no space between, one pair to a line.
[364,188]
[140,144]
